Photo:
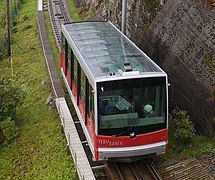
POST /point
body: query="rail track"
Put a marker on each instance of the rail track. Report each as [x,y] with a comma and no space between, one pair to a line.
[140,170]
[58,16]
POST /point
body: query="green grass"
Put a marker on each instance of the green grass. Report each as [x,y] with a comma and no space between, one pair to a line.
[73,11]
[39,152]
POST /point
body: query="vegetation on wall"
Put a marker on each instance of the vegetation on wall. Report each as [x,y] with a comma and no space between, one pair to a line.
[182,127]
[183,140]
[152,6]
[210,3]
[208,61]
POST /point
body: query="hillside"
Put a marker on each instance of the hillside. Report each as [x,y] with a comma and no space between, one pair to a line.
[39,151]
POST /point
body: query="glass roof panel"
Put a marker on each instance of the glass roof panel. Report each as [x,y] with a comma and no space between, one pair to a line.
[105,49]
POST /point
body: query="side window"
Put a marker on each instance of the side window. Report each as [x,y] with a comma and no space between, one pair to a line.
[72,64]
[69,58]
[91,102]
[62,41]
[79,83]
[66,56]
[83,85]
[87,93]
[75,69]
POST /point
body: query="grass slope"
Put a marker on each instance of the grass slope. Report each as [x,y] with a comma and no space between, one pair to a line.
[73,11]
[39,152]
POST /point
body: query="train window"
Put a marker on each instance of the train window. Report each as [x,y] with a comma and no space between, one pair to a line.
[79,83]
[83,85]
[75,69]
[69,58]
[134,105]
[91,103]
[66,56]
[63,41]
[72,64]
[87,102]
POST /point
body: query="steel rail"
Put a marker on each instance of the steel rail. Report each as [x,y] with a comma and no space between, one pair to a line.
[153,169]
[119,171]
[136,170]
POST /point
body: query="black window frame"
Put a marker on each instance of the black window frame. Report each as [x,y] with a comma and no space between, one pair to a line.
[138,130]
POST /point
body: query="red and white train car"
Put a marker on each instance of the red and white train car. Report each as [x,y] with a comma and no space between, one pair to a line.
[120,95]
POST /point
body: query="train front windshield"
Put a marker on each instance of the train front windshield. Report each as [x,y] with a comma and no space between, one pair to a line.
[132,105]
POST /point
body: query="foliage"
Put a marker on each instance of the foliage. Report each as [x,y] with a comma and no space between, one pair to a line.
[183,129]
[183,141]
[11,96]
[8,129]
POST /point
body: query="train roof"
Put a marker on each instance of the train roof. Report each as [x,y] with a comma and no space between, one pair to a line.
[105,50]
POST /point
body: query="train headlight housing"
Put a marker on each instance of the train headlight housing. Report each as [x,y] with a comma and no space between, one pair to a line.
[132,135]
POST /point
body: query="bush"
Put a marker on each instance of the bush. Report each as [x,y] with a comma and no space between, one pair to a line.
[183,129]
[8,130]
[11,96]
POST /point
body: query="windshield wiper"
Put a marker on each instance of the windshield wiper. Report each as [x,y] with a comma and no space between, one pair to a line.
[123,132]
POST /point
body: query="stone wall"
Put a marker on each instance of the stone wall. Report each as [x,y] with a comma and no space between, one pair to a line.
[182,41]
[139,13]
